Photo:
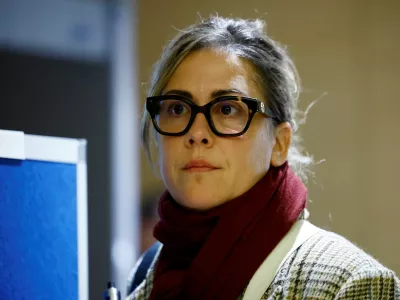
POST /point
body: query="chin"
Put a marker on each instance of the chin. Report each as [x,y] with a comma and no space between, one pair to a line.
[199,200]
[197,191]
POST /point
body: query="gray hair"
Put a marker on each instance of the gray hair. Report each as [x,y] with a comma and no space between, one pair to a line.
[276,73]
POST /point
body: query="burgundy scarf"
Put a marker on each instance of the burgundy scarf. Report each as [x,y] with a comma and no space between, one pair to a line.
[214,254]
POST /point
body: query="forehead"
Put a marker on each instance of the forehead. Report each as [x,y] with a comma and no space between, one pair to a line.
[205,71]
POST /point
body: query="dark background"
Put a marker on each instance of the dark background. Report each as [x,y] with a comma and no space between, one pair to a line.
[66,98]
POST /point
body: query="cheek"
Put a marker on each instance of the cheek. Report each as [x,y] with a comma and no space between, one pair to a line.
[261,149]
[168,151]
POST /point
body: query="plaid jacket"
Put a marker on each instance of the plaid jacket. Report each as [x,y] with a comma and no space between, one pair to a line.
[326,266]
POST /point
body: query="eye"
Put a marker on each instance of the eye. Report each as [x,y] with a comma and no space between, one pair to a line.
[175,108]
[228,108]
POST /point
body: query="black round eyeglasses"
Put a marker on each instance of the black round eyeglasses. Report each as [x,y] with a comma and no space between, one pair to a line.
[227,116]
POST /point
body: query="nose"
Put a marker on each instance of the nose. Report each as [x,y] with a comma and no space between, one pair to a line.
[199,133]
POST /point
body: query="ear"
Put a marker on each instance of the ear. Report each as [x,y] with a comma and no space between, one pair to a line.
[283,138]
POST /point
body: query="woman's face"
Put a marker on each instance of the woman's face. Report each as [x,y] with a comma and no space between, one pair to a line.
[238,162]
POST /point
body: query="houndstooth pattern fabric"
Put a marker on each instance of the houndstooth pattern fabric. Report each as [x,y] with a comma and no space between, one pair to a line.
[326,266]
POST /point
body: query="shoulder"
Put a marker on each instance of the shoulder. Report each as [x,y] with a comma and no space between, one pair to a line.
[327,265]
[145,267]
[331,250]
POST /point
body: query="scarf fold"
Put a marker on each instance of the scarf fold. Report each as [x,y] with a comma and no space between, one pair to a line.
[213,254]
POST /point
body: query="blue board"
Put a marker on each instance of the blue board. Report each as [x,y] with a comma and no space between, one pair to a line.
[38,230]
[43,218]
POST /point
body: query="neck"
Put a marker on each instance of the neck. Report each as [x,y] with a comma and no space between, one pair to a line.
[205,245]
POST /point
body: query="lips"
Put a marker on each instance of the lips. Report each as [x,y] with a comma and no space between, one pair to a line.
[199,165]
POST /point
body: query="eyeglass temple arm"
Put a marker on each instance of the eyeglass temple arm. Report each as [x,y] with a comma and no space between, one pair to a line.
[264,110]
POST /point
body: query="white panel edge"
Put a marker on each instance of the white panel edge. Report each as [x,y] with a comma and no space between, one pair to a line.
[54,149]
[12,144]
[82,218]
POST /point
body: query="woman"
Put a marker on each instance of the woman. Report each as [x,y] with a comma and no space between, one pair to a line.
[223,104]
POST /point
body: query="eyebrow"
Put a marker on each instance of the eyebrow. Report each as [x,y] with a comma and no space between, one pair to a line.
[214,94]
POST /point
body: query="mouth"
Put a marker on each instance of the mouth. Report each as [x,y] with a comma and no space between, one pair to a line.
[199,165]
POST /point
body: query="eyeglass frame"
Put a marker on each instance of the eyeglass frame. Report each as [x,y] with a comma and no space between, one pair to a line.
[254,105]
